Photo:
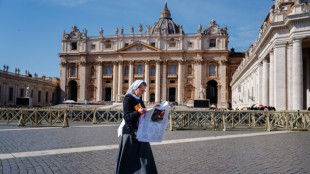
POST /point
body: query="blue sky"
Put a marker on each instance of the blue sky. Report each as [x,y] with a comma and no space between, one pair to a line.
[31,30]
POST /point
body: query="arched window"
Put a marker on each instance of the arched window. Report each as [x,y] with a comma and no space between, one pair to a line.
[139,69]
[73,70]
[109,70]
[172,69]
[153,70]
[212,70]
[126,71]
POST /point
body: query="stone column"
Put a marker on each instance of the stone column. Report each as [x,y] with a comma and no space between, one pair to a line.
[289,65]
[223,101]
[308,82]
[164,82]
[271,79]
[197,77]
[279,77]
[180,82]
[265,97]
[260,82]
[63,81]
[99,80]
[114,82]
[130,72]
[297,75]
[147,81]
[120,81]
[82,81]
[157,87]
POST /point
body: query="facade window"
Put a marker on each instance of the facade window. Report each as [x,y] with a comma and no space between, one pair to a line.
[152,81]
[153,44]
[139,69]
[172,81]
[233,61]
[126,44]
[108,81]
[46,97]
[10,94]
[108,44]
[21,93]
[189,69]
[172,44]
[212,43]
[93,46]
[153,70]
[109,70]
[125,81]
[126,71]
[190,44]
[212,70]
[92,71]
[172,69]
[73,46]
[73,70]
[39,96]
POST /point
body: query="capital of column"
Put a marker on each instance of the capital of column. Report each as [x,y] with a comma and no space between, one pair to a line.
[297,40]
[83,63]
[146,62]
[120,62]
[158,61]
[181,61]
[130,62]
[199,61]
[64,63]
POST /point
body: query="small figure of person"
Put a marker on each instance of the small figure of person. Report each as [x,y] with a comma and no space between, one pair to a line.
[134,156]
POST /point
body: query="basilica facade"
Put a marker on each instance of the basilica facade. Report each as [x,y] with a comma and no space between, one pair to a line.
[175,65]
[276,69]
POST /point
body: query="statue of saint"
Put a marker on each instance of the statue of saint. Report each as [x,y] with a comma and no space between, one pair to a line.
[116,31]
[199,28]
[85,32]
[28,91]
[140,28]
[101,32]
[201,92]
[131,30]
[122,30]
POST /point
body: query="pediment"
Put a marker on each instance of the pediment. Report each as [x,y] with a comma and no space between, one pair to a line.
[139,47]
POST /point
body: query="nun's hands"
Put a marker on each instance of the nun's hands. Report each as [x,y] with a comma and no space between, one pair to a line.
[142,111]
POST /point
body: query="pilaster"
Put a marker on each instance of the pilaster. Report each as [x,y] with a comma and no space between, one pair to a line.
[157,81]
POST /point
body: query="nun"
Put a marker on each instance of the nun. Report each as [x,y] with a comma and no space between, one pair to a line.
[134,157]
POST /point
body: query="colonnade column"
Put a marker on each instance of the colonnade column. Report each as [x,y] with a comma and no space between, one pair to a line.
[147,81]
[265,98]
[114,81]
[279,77]
[164,80]
[99,80]
[63,81]
[289,65]
[260,84]
[180,82]
[297,75]
[82,81]
[308,81]
[130,72]
[120,81]
[271,79]
[157,87]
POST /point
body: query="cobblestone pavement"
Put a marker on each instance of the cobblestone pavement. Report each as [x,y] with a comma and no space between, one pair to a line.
[279,153]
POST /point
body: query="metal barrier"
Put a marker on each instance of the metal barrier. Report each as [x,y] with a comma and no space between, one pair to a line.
[222,120]
[178,119]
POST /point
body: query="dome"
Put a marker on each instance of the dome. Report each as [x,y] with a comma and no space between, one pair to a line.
[165,24]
